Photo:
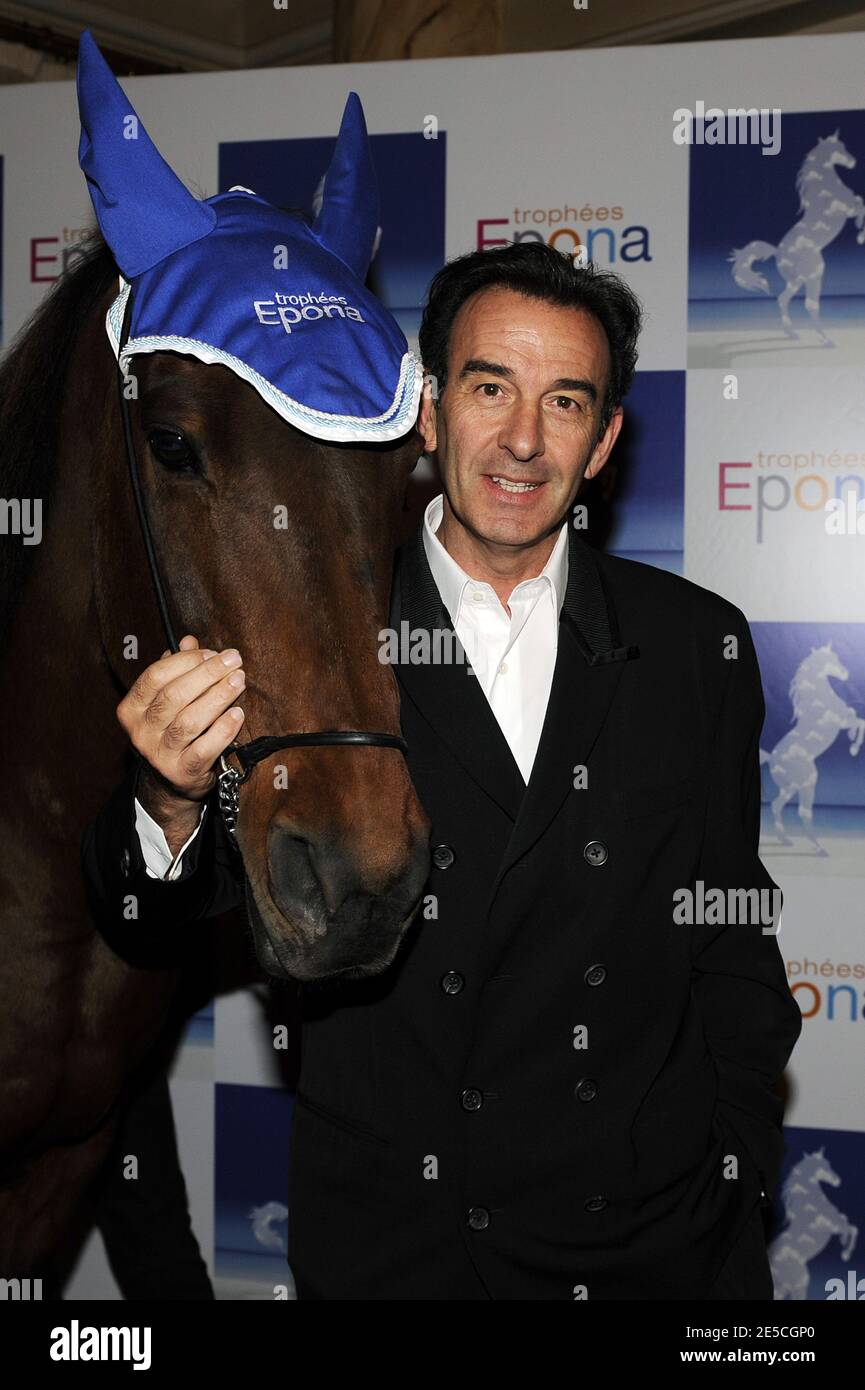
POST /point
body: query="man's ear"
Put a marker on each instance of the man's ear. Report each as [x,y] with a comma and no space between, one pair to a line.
[426,420]
[602,449]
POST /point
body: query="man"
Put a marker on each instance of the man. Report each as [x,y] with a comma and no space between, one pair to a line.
[564,1086]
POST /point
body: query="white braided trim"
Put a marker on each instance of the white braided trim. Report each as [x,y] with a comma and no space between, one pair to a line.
[321,424]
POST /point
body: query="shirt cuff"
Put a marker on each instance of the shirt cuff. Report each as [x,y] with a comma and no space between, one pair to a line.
[154,846]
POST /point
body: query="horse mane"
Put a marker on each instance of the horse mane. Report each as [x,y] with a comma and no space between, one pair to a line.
[31,381]
[829,172]
[802,680]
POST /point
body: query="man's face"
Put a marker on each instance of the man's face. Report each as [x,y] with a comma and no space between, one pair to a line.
[516,427]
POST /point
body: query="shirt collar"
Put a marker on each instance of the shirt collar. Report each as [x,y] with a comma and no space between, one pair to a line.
[452,580]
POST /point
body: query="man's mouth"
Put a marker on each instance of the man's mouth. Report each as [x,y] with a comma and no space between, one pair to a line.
[512,484]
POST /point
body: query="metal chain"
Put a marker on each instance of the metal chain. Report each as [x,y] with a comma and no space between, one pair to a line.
[229,801]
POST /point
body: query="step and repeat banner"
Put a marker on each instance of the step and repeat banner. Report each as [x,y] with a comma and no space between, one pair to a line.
[741,466]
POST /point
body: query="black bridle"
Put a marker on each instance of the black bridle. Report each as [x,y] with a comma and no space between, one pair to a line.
[247,754]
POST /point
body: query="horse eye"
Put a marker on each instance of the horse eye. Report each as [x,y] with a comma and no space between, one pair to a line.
[172,448]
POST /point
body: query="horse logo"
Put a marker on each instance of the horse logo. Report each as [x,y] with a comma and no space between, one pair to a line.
[825,204]
[819,714]
[263,1220]
[812,1221]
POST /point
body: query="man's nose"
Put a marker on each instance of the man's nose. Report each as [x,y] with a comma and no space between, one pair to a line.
[522,434]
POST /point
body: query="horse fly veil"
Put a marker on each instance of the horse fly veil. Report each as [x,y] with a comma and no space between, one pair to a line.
[236,281]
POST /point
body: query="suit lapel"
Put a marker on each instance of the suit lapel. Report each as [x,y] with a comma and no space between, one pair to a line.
[589,663]
[448,695]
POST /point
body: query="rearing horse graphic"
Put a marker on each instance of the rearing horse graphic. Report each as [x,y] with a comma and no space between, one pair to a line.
[819,716]
[825,203]
[812,1221]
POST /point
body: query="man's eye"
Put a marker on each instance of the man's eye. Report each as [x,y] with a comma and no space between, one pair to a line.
[489,386]
[172,448]
[567,402]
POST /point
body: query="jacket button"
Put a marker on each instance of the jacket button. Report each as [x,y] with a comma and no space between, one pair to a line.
[452,982]
[595,852]
[586,1089]
[443,856]
[595,975]
[478,1218]
[471,1099]
[125,863]
[595,1204]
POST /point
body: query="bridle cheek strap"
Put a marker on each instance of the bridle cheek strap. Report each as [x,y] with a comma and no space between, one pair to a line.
[247,754]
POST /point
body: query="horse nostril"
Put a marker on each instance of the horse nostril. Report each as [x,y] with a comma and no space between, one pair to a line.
[334,876]
[307,870]
[292,877]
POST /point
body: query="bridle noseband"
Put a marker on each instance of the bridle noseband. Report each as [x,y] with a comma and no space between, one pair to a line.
[251,753]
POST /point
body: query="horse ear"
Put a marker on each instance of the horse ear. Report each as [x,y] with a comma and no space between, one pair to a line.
[143,210]
[348,218]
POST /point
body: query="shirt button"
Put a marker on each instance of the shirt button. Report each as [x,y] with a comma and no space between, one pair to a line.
[503,669]
[452,982]
[595,853]
[586,1089]
[125,862]
[471,1099]
[477,596]
[595,1204]
[595,975]
[478,1218]
[443,856]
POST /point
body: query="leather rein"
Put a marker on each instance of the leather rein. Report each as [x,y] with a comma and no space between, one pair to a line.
[253,752]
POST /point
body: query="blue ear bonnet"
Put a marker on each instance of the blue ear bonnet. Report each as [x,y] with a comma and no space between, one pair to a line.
[311,339]
[235,281]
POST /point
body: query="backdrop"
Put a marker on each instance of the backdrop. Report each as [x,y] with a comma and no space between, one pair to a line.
[741,466]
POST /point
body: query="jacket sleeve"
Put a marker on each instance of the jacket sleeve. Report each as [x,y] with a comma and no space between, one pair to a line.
[750,1017]
[151,921]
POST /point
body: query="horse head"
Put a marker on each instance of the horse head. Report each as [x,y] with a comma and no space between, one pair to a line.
[272,404]
[825,662]
[832,150]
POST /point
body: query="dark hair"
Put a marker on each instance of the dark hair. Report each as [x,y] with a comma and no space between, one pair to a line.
[541,272]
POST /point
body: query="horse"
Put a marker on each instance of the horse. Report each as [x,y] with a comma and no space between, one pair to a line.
[825,205]
[820,714]
[335,864]
[812,1221]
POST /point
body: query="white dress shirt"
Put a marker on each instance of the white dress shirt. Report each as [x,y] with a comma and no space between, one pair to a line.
[513,658]
[158,859]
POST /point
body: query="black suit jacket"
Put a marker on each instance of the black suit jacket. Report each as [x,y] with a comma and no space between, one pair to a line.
[555,1091]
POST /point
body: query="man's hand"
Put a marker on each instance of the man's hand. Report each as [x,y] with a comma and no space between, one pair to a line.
[179,716]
